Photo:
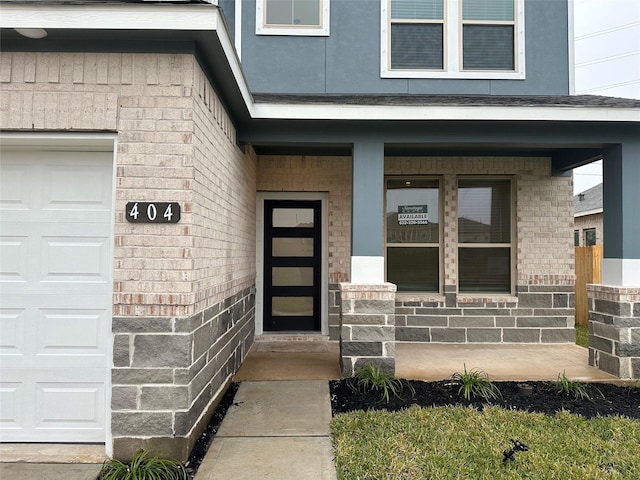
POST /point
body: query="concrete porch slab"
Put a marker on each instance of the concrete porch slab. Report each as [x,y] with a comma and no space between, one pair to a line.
[296,360]
[285,359]
[502,362]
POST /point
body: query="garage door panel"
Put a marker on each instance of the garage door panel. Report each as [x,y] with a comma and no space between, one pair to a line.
[71,332]
[75,259]
[12,332]
[11,405]
[73,187]
[56,241]
[16,187]
[14,255]
[69,405]
[52,332]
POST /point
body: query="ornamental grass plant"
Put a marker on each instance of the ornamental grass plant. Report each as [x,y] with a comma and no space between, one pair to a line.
[473,384]
[372,378]
[143,466]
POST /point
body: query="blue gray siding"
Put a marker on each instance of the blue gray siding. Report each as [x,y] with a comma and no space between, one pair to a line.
[348,61]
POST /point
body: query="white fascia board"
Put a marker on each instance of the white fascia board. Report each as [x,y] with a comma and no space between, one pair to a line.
[113,17]
[588,212]
[425,112]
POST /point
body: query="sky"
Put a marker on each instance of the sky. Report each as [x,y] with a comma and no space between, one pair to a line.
[607,60]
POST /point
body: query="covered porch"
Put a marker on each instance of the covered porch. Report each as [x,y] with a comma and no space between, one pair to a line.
[279,358]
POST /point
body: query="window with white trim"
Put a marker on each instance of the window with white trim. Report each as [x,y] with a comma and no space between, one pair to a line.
[453,39]
[413,234]
[292,17]
[485,247]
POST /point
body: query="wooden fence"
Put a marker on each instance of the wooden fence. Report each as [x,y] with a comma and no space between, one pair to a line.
[588,270]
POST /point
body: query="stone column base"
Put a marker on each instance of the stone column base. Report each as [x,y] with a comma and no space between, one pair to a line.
[367,327]
[614,329]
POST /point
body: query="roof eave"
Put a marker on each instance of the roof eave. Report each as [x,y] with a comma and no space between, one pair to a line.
[586,213]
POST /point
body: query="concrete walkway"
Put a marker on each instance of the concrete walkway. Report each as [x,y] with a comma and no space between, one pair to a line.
[276,430]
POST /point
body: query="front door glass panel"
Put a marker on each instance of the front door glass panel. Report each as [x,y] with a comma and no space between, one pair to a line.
[292,306]
[292,263]
[293,247]
[293,217]
[292,276]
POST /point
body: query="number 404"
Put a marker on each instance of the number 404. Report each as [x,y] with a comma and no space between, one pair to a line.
[153,212]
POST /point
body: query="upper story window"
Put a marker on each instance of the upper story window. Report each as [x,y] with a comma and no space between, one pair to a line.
[292,17]
[481,39]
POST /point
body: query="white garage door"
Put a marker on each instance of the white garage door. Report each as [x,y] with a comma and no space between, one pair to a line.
[55,295]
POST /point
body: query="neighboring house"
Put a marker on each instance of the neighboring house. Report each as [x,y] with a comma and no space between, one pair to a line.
[178,178]
[587,217]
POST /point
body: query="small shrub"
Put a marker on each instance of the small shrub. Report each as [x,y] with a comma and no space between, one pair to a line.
[565,386]
[475,383]
[143,466]
[371,378]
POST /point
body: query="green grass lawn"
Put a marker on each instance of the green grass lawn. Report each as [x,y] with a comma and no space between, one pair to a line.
[462,443]
[582,336]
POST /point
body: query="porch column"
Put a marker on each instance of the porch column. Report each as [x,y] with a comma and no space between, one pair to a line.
[367,304]
[367,235]
[614,306]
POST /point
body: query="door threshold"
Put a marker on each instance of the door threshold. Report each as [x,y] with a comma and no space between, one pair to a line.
[292,337]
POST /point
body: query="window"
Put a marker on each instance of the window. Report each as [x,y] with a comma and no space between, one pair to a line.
[413,234]
[484,236]
[453,39]
[589,237]
[576,238]
[292,17]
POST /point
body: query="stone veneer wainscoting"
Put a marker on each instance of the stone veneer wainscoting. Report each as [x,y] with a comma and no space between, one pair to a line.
[367,327]
[614,329]
[167,371]
[537,314]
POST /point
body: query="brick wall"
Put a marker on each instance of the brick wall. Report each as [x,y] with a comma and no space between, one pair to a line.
[589,221]
[183,303]
[319,174]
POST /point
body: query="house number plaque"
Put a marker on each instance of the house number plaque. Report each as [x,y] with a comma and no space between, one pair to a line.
[153,212]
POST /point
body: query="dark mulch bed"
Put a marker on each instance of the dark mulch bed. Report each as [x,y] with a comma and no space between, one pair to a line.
[204,441]
[605,399]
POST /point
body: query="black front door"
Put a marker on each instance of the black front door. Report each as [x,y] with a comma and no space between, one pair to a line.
[292,254]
